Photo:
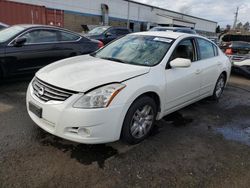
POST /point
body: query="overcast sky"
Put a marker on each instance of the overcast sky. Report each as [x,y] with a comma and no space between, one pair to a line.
[221,11]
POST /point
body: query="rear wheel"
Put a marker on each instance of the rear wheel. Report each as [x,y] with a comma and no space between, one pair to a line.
[139,120]
[1,74]
[219,87]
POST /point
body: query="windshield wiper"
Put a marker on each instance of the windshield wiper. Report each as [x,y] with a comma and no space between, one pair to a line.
[114,59]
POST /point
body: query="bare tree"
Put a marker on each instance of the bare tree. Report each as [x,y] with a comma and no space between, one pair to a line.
[228,27]
[246,26]
[239,25]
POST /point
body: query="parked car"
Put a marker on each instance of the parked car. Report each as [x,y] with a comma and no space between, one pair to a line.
[215,40]
[239,53]
[175,29]
[26,48]
[120,90]
[3,25]
[107,34]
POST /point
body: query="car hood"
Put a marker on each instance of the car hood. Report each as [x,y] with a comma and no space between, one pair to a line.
[83,73]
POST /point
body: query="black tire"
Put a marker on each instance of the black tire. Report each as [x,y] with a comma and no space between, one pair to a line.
[129,121]
[221,82]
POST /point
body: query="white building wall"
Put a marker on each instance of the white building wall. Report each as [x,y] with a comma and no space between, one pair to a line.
[119,9]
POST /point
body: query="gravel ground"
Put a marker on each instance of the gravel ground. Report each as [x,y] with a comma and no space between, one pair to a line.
[204,145]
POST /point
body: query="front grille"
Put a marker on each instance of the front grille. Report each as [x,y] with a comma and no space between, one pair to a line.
[47,92]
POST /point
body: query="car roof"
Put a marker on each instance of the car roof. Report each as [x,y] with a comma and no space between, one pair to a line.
[115,27]
[3,24]
[27,26]
[173,35]
[173,27]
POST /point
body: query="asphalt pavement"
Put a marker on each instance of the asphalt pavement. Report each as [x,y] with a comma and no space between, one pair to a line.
[206,144]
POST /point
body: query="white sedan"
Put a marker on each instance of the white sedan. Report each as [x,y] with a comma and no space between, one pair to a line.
[120,90]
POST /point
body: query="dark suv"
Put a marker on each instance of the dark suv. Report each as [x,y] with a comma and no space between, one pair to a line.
[107,33]
[175,29]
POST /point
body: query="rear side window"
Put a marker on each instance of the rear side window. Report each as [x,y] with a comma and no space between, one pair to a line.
[122,31]
[206,49]
[64,36]
[112,31]
[216,53]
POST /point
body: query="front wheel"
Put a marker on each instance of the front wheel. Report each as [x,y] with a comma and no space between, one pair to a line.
[219,87]
[139,120]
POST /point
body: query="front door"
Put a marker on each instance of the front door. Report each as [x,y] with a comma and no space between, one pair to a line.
[38,51]
[183,84]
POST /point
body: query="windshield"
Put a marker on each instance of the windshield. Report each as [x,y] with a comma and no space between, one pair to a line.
[98,30]
[136,50]
[9,32]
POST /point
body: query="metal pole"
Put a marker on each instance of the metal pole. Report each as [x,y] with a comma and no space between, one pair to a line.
[128,14]
[236,18]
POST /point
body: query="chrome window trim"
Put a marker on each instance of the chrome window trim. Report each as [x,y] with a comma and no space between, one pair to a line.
[39,28]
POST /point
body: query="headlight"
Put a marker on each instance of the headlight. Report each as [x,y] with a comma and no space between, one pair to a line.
[100,97]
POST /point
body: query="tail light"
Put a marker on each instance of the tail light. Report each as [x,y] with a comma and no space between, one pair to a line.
[100,44]
[229,51]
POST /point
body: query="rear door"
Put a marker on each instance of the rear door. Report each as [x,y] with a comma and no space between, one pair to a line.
[210,64]
[68,45]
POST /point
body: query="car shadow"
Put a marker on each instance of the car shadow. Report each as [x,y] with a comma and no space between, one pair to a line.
[83,153]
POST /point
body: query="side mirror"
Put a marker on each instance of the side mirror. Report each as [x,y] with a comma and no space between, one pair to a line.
[108,34]
[19,42]
[180,63]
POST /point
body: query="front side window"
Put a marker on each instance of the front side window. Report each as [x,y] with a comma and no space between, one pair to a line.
[136,50]
[185,49]
[41,36]
[206,49]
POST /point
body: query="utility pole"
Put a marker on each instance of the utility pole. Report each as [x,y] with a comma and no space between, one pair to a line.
[236,18]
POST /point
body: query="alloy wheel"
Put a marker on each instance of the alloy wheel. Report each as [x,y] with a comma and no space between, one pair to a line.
[142,121]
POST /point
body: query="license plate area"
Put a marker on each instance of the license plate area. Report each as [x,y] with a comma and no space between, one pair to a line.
[35,109]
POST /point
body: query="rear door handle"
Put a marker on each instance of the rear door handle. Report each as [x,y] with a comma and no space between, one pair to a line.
[198,71]
[219,63]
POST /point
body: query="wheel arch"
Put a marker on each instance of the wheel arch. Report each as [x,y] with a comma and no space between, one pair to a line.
[152,95]
[225,74]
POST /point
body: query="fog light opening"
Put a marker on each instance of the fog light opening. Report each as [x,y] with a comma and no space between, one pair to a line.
[73,129]
[83,132]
